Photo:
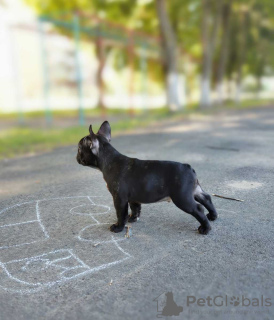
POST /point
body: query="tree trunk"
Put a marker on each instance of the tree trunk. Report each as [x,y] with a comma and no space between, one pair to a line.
[209,37]
[100,52]
[262,53]
[242,55]
[224,51]
[170,56]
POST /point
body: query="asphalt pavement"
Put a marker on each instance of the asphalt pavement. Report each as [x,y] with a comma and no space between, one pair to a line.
[58,260]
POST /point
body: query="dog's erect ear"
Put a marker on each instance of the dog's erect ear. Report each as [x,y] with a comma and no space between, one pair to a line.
[94,147]
[105,130]
[90,131]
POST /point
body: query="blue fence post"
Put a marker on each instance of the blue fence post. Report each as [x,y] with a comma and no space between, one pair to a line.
[45,67]
[79,80]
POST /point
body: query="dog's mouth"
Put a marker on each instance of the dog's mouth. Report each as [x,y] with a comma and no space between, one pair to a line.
[80,161]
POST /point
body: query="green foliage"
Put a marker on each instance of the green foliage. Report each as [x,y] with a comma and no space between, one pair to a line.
[186,17]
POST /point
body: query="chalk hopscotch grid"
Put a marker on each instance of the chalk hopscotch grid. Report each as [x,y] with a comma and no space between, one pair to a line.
[93,224]
[38,220]
[39,286]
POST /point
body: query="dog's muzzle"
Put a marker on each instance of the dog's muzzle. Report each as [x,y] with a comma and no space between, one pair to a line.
[80,161]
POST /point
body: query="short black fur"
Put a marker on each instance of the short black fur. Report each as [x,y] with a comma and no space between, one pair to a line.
[132,181]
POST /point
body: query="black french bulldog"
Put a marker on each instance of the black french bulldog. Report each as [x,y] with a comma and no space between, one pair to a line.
[133,181]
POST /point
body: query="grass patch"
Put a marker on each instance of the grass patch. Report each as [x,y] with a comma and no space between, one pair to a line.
[91,112]
[23,140]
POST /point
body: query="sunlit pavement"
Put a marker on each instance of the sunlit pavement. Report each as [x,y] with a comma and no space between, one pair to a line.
[59,261]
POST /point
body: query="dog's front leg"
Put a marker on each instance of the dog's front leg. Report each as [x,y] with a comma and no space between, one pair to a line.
[121,206]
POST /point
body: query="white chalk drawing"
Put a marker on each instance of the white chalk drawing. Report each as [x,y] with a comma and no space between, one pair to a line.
[30,236]
[29,274]
[93,224]
[37,220]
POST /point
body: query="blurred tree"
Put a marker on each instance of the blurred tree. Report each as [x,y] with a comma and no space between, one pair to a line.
[260,59]
[251,38]
[224,49]
[212,13]
[235,38]
[169,55]
[242,49]
[109,10]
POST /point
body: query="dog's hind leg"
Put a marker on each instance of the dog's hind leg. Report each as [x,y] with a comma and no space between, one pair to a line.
[189,205]
[135,211]
[204,198]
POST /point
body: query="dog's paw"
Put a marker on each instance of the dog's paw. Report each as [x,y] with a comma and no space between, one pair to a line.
[211,216]
[132,218]
[116,228]
[204,230]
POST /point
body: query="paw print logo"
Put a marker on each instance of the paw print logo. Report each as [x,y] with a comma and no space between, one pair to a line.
[235,301]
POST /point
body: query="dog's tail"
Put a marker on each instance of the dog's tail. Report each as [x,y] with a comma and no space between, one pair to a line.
[228,198]
[198,189]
